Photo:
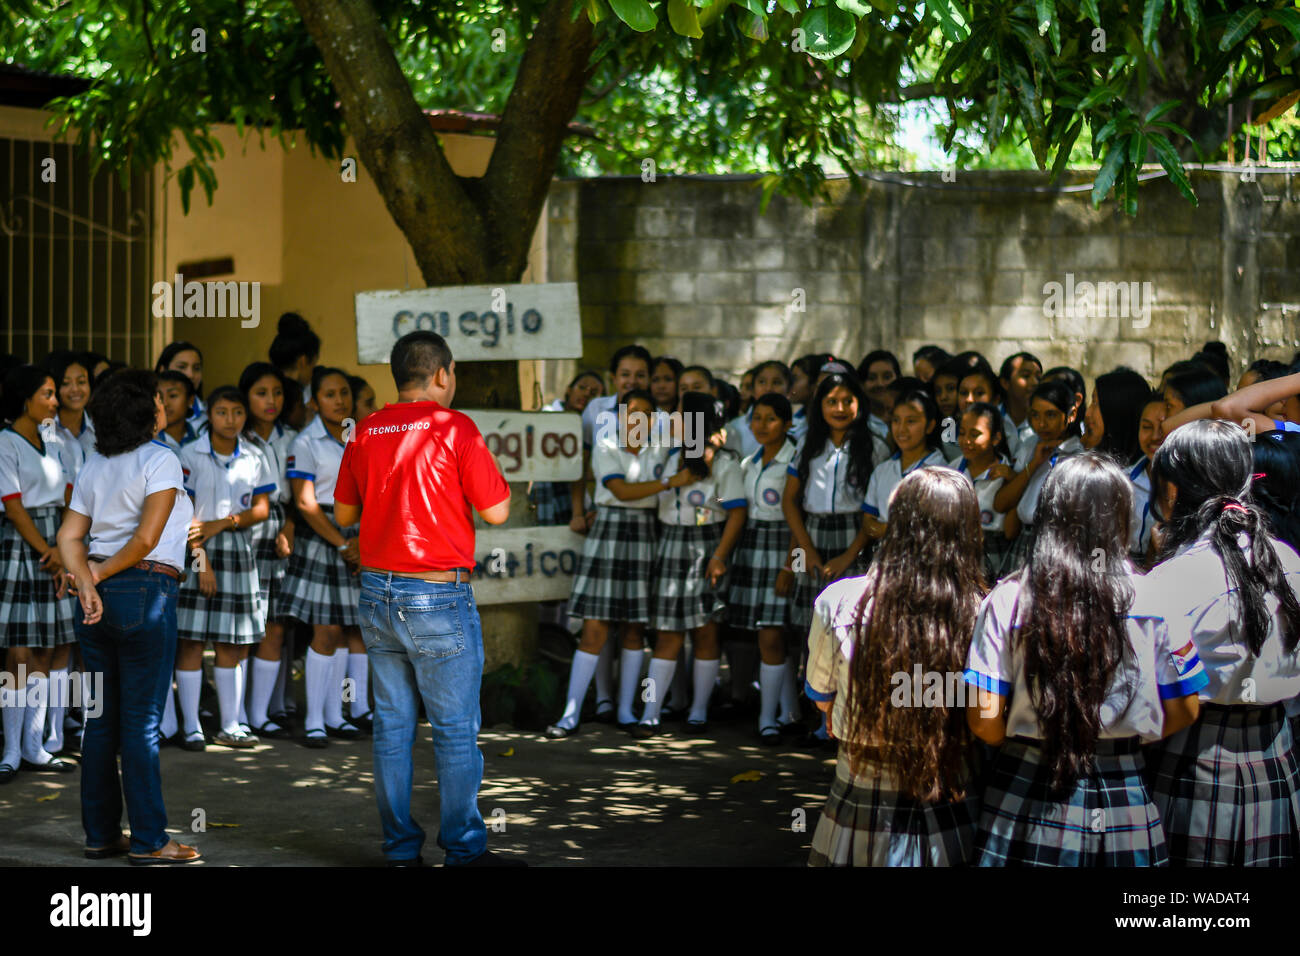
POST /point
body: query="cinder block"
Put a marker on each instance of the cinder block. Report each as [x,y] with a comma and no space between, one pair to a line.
[778,288]
[665,287]
[693,321]
[723,287]
[756,254]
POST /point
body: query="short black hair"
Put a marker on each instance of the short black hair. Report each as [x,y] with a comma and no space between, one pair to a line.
[174,349]
[293,339]
[879,355]
[124,411]
[933,354]
[635,351]
[1009,363]
[59,361]
[180,378]
[228,393]
[21,383]
[357,383]
[417,357]
[778,403]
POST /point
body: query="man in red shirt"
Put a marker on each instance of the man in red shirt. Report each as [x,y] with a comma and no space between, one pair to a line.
[414,473]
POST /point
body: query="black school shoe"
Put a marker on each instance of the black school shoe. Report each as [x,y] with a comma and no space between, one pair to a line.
[7,773]
[418,861]
[344,731]
[556,732]
[488,858]
[54,766]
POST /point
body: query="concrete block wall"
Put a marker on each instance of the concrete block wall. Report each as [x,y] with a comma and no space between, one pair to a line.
[691,268]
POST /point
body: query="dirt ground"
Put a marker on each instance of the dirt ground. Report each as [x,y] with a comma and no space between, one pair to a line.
[597,799]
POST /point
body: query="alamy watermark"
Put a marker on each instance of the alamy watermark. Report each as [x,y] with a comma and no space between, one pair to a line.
[213,300]
[83,689]
[657,430]
[922,688]
[1099,300]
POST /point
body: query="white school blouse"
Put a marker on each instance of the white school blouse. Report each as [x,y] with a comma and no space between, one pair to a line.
[831,639]
[276,452]
[1028,507]
[1142,520]
[221,485]
[1194,595]
[315,454]
[176,446]
[879,427]
[1161,666]
[197,414]
[740,435]
[1016,435]
[721,492]
[86,439]
[765,484]
[609,461]
[986,489]
[111,493]
[827,490]
[886,476]
[37,476]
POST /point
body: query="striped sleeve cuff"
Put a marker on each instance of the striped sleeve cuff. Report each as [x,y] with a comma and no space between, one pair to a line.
[734,503]
[816,694]
[871,510]
[792,471]
[263,489]
[608,478]
[11,497]
[985,682]
[300,474]
[1186,687]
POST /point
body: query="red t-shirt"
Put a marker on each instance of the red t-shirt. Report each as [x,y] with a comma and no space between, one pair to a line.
[417,469]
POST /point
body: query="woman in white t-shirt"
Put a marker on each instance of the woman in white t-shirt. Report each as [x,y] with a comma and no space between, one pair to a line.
[34,621]
[129,499]
[1072,668]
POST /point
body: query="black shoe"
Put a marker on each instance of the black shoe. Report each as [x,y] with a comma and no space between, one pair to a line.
[604,716]
[273,730]
[365,722]
[54,766]
[194,743]
[793,729]
[315,741]
[769,736]
[644,731]
[622,726]
[697,726]
[344,731]
[489,858]
[672,715]
[556,732]
[280,717]
[7,773]
[418,861]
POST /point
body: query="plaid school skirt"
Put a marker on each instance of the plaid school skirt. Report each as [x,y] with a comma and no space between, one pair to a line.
[751,601]
[867,822]
[270,567]
[551,502]
[831,535]
[1021,547]
[1228,788]
[683,598]
[30,614]
[318,586]
[235,614]
[997,556]
[1109,819]
[616,568]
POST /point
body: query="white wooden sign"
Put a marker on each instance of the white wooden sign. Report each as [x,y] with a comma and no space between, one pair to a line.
[532,446]
[481,323]
[515,565]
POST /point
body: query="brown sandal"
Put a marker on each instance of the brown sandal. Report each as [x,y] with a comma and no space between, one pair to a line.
[173,852]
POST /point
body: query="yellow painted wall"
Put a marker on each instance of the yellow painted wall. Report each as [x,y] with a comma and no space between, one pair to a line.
[290,222]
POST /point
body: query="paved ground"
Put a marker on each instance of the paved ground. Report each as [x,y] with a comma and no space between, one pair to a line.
[600,798]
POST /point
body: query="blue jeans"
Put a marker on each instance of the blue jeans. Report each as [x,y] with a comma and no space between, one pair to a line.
[424,638]
[133,647]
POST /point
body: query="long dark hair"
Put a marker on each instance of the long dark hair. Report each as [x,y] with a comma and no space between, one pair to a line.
[925,587]
[1211,465]
[1121,396]
[1060,395]
[996,426]
[1196,385]
[711,416]
[1276,483]
[250,377]
[1072,625]
[819,433]
[929,408]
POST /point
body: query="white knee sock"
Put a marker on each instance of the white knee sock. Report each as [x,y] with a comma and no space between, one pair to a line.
[789,713]
[334,691]
[189,684]
[264,675]
[605,675]
[319,670]
[359,671]
[168,726]
[38,697]
[276,705]
[13,708]
[629,677]
[58,706]
[227,679]
[706,675]
[580,671]
[770,678]
[661,678]
[242,674]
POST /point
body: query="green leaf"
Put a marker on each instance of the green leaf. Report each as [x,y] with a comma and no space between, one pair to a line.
[1110,168]
[713,11]
[1064,147]
[1290,19]
[1158,111]
[684,19]
[1137,148]
[790,6]
[1089,10]
[828,32]
[855,7]
[1097,95]
[951,22]
[1239,24]
[1193,8]
[1046,10]
[1151,15]
[754,7]
[1173,165]
[596,10]
[185,179]
[637,14]
[753,27]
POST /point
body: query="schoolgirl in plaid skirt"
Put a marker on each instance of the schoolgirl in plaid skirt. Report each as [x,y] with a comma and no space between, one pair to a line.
[699,525]
[613,581]
[825,486]
[752,601]
[984,462]
[34,486]
[266,390]
[1228,788]
[1054,797]
[230,483]
[904,791]
[320,587]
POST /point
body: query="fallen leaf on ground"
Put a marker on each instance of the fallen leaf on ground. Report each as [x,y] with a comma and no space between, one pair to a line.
[749,776]
[228,825]
[46,798]
[507,753]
